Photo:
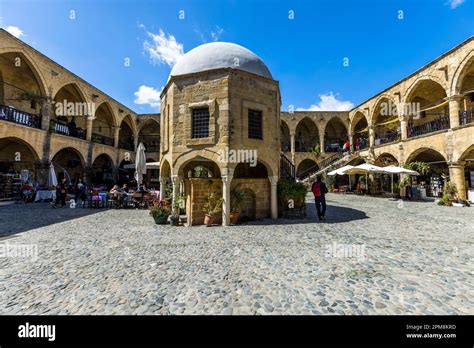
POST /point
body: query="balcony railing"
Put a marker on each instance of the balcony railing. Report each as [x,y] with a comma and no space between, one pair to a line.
[466,117]
[152,147]
[102,139]
[7,113]
[59,127]
[126,145]
[429,127]
[387,138]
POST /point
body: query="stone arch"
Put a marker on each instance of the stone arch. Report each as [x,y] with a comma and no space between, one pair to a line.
[104,124]
[460,73]
[184,158]
[385,121]
[127,133]
[103,154]
[415,153]
[418,82]
[335,131]
[285,138]
[356,117]
[244,170]
[71,92]
[69,148]
[23,143]
[43,86]
[306,135]
[66,160]
[386,159]
[359,129]
[102,169]
[142,124]
[149,134]
[304,166]
[467,153]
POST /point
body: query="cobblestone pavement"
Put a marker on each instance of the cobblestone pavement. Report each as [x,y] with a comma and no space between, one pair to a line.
[371,256]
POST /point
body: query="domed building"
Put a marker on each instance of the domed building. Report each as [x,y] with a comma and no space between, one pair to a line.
[220,132]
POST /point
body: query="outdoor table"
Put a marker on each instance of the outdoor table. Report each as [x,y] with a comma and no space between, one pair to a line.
[44,195]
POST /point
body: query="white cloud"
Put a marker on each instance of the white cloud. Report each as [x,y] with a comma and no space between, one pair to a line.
[163,48]
[329,102]
[15,31]
[148,95]
[217,33]
[455,3]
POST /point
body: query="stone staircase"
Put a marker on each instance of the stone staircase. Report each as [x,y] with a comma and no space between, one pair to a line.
[329,164]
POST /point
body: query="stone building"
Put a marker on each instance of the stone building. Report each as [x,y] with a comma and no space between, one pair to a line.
[221,127]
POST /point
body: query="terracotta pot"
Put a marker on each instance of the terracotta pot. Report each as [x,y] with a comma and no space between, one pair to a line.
[234,217]
[208,219]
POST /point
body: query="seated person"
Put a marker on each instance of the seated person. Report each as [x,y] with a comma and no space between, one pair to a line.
[114,189]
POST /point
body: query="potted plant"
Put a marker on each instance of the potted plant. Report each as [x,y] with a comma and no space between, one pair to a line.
[212,207]
[236,199]
[160,214]
[450,191]
[174,219]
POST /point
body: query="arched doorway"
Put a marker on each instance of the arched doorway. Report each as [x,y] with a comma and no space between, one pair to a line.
[149,135]
[438,172]
[17,165]
[285,137]
[69,164]
[429,108]
[465,88]
[22,92]
[335,135]
[103,125]
[70,112]
[152,177]
[386,123]
[305,168]
[254,183]
[360,130]
[307,136]
[468,158]
[126,134]
[103,171]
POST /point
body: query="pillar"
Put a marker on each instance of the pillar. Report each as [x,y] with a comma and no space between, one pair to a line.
[116,136]
[226,181]
[135,142]
[273,196]
[371,136]
[89,121]
[46,113]
[456,175]
[351,141]
[321,142]
[162,187]
[175,180]
[292,146]
[454,108]
[404,127]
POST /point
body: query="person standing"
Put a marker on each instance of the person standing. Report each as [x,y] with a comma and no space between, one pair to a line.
[61,193]
[319,190]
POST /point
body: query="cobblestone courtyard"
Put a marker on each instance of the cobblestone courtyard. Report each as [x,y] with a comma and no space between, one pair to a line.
[371,256]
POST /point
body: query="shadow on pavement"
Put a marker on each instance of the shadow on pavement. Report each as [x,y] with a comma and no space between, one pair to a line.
[21,217]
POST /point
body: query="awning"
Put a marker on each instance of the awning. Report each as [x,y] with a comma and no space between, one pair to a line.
[399,170]
[365,168]
[340,171]
[149,165]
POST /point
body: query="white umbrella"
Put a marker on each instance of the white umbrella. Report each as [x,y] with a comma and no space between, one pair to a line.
[365,168]
[140,164]
[342,171]
[399,170]
[52,179]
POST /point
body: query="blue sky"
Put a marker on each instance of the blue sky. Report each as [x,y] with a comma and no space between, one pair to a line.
[306,53]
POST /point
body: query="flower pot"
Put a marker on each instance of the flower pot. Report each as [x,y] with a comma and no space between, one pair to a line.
[161,219]
[208,219]
[234,217]
[174,221]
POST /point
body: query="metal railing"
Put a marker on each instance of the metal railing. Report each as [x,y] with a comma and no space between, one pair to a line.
[465,117]
[387,138]
[438,124]
[287,167]
[102,139]
[8,113]
[126,145]
[60,127]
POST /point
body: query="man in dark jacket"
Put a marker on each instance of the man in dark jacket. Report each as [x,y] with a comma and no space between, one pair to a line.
[319,190]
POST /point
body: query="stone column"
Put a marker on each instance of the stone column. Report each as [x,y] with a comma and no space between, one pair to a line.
[456,175]
[321,142]
[351,141]
[116,136]
[135,142]
[175,181]
[273,196]
[162,187]
[292,146]
[371,136]
[46,113]
[226,181]
[89,122]
[454,108]
[404,127]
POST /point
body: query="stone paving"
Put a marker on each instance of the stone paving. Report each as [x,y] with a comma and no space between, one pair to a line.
[371,256]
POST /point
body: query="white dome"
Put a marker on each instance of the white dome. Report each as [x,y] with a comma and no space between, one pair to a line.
[217,55]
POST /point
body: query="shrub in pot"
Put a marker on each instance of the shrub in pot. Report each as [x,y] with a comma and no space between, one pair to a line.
[212,207]
[236,198]
[160,214]
[291,190]
[174,219]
